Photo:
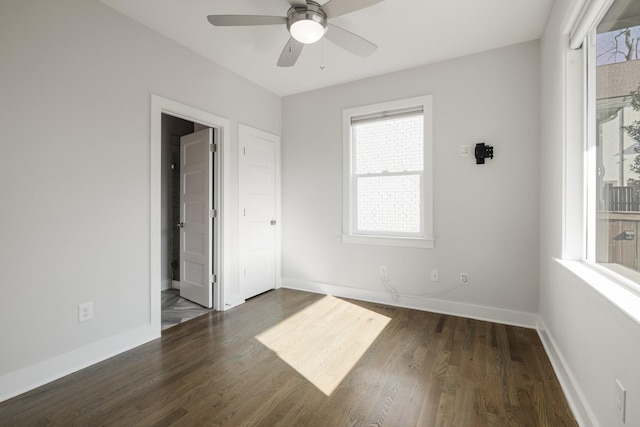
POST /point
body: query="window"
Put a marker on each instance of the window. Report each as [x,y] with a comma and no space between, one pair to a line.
[613,129]
[387,192]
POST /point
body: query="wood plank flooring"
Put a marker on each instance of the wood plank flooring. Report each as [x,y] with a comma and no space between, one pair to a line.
[268,363]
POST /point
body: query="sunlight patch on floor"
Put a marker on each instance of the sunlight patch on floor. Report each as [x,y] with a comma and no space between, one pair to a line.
[324,341]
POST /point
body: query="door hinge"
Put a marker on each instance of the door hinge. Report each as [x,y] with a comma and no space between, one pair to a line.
[213,213]
[213,147]
[244,151]
[213,278]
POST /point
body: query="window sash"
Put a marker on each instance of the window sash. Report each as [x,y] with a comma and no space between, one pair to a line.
[355,230]
[626,276]
[376,117]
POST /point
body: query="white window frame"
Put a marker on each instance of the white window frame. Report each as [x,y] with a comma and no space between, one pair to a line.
[423,239]
[625,277]
[579,161]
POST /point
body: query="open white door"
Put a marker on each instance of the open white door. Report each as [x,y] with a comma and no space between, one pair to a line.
[196,211]
[257,197]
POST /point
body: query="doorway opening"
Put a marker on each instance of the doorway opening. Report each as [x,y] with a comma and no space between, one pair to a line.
[204,170]
[178,305]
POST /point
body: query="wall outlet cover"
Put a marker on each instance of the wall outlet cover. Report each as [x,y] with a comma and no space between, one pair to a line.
[85,312]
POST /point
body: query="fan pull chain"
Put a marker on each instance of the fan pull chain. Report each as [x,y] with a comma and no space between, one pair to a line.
[322,53]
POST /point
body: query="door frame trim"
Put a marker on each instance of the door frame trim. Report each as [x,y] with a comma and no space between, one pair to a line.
[222,182]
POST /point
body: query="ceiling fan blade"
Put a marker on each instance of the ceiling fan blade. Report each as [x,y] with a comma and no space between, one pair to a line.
[298,3]
[290,53]
[341,7]
[349,41]
[239,20]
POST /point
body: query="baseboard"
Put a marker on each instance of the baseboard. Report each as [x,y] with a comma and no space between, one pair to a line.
[166,284]
[175,284]
[29,378]
[491,314]
[581,410]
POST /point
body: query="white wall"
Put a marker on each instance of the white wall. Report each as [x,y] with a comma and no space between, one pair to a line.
[77,78]
[486,216]
[591,341]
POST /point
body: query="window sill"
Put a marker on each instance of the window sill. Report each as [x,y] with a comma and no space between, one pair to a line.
[406,242]
[618,292]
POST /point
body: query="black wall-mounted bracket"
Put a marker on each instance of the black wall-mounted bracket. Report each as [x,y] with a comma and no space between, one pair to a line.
[482,152]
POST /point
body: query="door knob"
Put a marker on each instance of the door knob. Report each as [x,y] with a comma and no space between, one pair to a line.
[180,224]
[273,222]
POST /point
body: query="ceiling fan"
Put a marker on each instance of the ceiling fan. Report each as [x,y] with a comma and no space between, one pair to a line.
[307,23]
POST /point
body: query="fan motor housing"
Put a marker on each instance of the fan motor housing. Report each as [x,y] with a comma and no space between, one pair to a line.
[313,12]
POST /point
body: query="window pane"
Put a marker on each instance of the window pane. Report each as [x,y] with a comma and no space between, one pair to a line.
[617,134]
[389,204]
[392,145]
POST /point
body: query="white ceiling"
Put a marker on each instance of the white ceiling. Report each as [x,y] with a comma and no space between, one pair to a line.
[408,33]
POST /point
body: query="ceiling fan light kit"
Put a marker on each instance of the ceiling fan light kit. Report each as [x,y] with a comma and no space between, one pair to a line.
[307,22]
[307,25]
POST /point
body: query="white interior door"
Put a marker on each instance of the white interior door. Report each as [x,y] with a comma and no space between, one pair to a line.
[257,197]
[196,211]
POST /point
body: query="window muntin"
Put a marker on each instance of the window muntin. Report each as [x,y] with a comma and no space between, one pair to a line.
[388,173]
[614,141]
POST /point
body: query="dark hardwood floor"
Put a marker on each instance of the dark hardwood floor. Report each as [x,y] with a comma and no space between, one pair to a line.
[292,358]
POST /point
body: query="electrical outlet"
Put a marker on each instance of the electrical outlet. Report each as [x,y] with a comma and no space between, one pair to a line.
[383,272]
[85,312]
[435,275]
[464,279]
[621,401]
[464,150]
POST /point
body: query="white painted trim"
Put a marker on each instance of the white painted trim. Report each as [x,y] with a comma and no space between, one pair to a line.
[590,157]
[166,284]
[406,242]
[574,166]
[221,128]
[31,377]
[575,397]
[245,129]
[617,289]
[490,314]
[278,213]
[591,14]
